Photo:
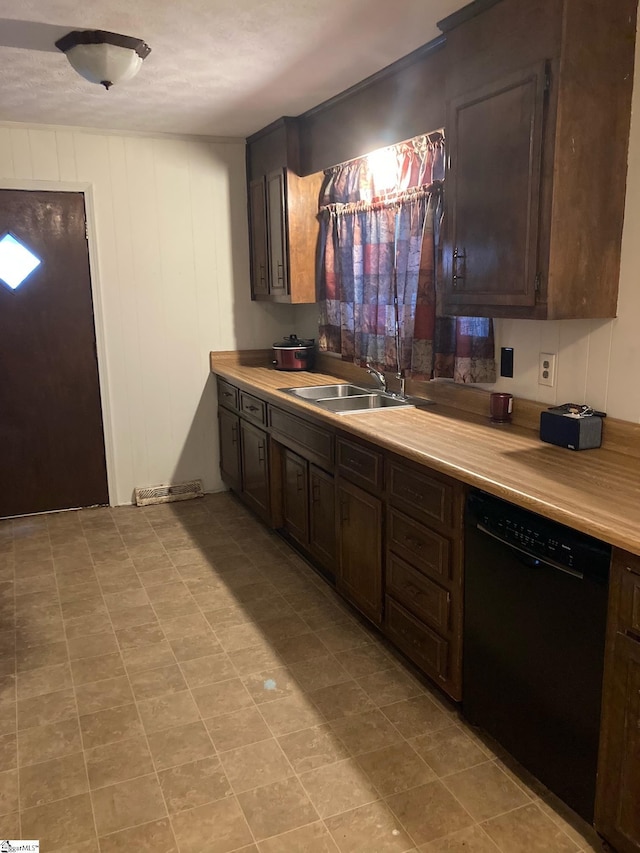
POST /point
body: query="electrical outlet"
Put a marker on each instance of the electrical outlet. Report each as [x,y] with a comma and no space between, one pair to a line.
[547,368]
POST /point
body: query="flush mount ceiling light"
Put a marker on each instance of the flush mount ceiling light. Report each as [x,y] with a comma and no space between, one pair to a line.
[102,57]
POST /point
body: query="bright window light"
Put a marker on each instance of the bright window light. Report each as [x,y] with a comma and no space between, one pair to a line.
[16,261]
[383,164]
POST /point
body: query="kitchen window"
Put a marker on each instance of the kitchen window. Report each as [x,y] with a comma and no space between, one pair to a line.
[381,217]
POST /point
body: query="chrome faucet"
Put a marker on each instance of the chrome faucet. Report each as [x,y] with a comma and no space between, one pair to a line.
[379,376]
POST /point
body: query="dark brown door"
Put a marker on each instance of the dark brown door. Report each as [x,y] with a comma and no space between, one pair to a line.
[617,805]
[322,521]
[229,430]
[258,238]
[278,274]
[360,569]
[255,468]
[295,488]
[493,192]
[51,436]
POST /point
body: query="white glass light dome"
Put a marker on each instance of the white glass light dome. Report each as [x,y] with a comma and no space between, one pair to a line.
[103,57]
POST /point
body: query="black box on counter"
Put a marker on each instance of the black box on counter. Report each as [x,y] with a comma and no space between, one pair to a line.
[573,426]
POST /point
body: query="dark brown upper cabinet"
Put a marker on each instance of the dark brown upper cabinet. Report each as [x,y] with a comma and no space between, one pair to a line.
[493,191]
[283,225]
[538,112]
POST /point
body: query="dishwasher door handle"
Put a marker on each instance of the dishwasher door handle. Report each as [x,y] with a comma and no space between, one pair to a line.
[528,559]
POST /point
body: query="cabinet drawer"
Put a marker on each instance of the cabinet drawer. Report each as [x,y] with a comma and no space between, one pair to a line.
[425,648]
[421,596]
[362,465]
[312,441]
[253,408]
[421,496]
[227,394]
[425,549]
[629,613]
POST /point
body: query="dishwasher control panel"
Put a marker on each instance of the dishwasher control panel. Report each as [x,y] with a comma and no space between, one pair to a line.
[539,536]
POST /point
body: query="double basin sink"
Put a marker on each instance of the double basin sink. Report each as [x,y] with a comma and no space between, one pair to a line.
[343,399]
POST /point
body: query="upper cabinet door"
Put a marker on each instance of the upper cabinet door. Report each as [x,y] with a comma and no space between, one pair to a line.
[492,194]
[277,233]
[258,238]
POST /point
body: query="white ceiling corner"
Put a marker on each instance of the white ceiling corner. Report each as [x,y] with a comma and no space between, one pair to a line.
[221,68]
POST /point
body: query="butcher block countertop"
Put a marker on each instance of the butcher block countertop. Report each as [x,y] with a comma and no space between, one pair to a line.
[594,491]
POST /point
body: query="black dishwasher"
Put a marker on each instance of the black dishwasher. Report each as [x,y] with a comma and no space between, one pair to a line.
[534,634]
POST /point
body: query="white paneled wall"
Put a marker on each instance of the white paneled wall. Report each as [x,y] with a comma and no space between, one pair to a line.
[598,360]
[170,273]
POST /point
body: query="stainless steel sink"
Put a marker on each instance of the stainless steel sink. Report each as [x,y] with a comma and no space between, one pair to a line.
[364,403]
[326,392]
[346,398]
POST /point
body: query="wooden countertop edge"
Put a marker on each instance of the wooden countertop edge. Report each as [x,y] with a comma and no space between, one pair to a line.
[602,470]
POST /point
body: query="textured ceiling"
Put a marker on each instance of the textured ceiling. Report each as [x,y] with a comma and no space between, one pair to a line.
[217,67]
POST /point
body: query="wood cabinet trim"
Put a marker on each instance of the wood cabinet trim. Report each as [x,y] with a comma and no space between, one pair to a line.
[360,463]
[253,408]
[313,441]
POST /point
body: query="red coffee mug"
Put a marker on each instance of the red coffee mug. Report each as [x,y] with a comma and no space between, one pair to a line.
[500,407]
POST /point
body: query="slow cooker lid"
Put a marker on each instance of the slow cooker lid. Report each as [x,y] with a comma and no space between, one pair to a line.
[294,342]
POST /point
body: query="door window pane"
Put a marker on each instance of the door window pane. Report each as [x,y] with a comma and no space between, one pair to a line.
[16,261]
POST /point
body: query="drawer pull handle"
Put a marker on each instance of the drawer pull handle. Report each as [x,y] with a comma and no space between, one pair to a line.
[227,394]
[344,510]
[412,493]
[280,271]
[416,543]
[262,272]
[251,408]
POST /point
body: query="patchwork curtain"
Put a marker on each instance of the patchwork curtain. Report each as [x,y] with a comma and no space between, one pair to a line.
[380,222]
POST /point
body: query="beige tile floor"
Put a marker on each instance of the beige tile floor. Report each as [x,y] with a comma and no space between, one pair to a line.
[175,678]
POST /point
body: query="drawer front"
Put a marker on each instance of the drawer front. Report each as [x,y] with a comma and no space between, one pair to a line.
[424,598]
[421,496]
[422,645]
[425,549]
[362,465]
[312,441]
[629,614]
[253,408]
[228,395]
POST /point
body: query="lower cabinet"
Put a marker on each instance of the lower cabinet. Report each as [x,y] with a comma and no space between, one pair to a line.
[254,456]
[295,496]
[322,518]
[423,583]
[229,433]
[360,549]
[618,794]
[308,508]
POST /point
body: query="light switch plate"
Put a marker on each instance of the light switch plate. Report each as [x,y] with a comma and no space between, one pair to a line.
[547,368]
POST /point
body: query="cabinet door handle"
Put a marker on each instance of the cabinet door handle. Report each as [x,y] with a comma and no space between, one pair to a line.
[415,542]
[261,451]
[315,493]
[280,271]
[234,434]
[344,510]
[299,481]
[459,263]
[262,273]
